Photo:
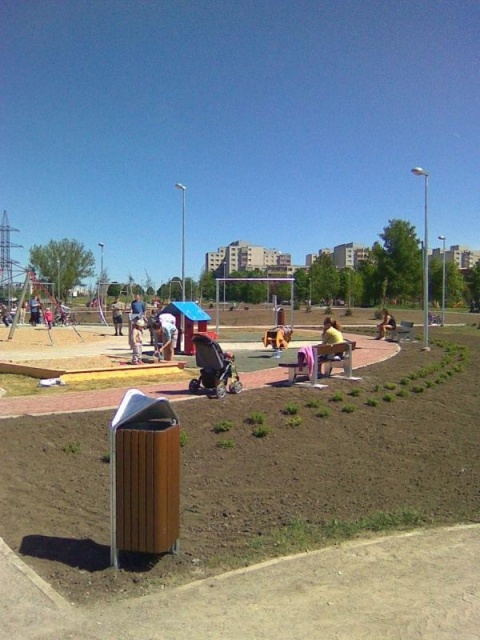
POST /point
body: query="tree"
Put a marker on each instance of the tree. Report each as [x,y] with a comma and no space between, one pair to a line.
[207,285]
[302,282]
[114,289]
[371,277]
[473,285]
[149,284]
[399,261]
[325,279]
[454,282]
[351,286]
[66,261]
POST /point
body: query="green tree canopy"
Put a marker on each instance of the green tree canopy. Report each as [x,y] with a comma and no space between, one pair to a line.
[114,289]
[351,286]
[302,284]
[473,284]
[207,285]
[399,261]
[325,279]
[66,261]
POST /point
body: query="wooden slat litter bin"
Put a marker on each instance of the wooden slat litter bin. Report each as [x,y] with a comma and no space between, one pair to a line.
[148,487]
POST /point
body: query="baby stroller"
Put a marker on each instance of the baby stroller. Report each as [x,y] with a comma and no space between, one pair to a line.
[216,368]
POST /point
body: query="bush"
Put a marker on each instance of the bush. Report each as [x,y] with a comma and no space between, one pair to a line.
[226,444]
[223,426]
[372,402]
[355,392]
[348,408]
[73,447]
[257,418]
[336,397]
[323,413]
[291,409]
[261,431]
[295,421]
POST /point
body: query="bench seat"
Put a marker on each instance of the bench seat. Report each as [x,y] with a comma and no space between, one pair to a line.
[403,332]
[338,355]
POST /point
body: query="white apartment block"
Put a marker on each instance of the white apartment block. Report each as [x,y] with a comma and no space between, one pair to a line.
[244,256]
[348,255]
[463,257]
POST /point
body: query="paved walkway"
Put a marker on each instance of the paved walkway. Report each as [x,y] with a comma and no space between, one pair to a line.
[368,352]
[422,585]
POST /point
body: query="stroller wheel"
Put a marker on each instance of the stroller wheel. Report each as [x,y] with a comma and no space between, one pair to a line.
[221,390]
[194,385]
[236,387]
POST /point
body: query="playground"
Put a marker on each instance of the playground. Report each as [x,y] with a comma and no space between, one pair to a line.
[245,498]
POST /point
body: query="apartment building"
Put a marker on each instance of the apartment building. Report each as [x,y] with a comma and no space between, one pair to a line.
[463,257]
[344,255]
[241,255]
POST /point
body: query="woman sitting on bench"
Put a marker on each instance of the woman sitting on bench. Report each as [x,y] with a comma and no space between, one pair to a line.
[387,324]
[332,334]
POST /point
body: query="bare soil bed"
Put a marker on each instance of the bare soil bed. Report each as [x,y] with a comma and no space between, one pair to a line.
[245,498]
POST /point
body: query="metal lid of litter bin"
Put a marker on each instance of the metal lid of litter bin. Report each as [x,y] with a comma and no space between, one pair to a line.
[136,407]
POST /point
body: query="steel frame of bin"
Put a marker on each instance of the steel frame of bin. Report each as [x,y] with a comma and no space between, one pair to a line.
[149,434]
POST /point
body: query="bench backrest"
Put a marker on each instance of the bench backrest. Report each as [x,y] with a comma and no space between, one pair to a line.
[406,324]
[339,347]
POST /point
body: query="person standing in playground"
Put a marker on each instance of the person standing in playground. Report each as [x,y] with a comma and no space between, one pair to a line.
[23,312]
[35,308]
[118,307]
[138,306]
[137,340]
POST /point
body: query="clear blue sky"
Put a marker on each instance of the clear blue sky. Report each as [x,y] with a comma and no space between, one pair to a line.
[294,125]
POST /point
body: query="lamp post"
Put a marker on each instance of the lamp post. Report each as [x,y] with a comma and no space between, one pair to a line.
[183,190]
[444,280]
[58,280]
[182,321]
[101,245]
[224,283]
[418,171]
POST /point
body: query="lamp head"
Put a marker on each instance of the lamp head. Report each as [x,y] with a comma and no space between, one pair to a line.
[180,186]
[101,244]
[418,171]
[441,237]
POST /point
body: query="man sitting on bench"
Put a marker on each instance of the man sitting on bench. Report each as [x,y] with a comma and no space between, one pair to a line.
[332,334]
[387,324]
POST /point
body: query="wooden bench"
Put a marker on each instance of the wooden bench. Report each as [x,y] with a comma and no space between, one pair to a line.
[339,355]
[403,332]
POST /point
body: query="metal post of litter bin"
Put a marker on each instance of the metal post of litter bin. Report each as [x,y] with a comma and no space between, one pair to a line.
[144,476]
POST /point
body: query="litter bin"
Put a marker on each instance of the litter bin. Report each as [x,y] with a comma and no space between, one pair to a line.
[144,476]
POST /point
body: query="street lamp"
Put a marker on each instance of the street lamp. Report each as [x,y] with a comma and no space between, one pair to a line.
[101,245]
[418,171]
[58,280]
[443,281]
[183,190]
[182,321]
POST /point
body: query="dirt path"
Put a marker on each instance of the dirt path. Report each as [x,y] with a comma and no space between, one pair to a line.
[415,586]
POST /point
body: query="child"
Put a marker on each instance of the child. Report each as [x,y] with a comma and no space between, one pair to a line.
[48,317]
[137,340]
